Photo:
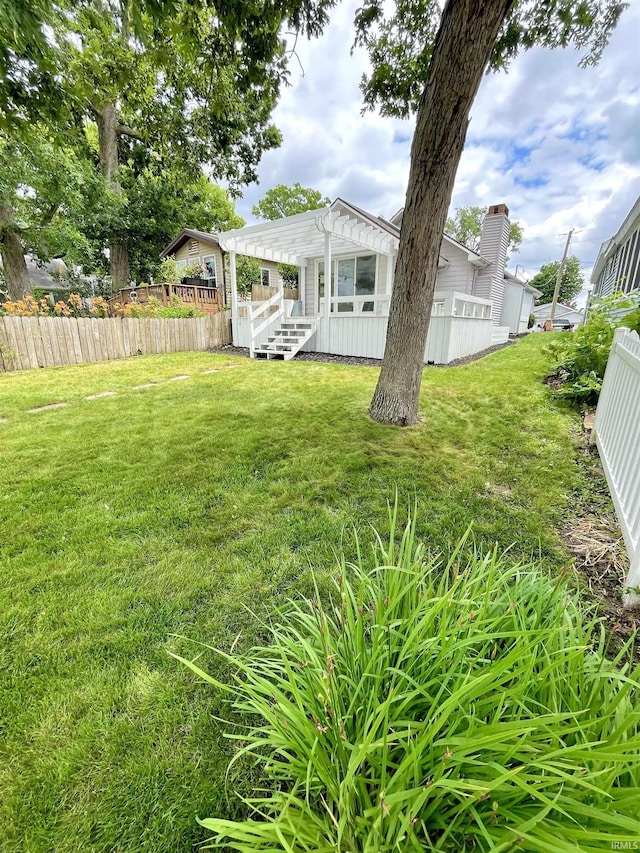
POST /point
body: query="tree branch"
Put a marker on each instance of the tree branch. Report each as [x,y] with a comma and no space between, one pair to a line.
[125,130]
[51,212]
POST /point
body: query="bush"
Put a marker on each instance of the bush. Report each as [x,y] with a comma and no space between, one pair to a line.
[155,308]
[581,357]
[74,306]
[465,705]
[168,271]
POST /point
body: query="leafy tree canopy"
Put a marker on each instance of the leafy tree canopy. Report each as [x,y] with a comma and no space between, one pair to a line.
[49,190]
[281,201]
[570,286]
[152,210]
[182,72]
[400,39]
[466,228]
[170,84]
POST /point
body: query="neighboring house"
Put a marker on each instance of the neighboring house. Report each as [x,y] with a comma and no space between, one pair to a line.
[45,275]
[617,266]
[198,247]
[565,315]
[476,304]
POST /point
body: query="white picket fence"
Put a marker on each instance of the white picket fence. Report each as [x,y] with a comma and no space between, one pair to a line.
[617,435]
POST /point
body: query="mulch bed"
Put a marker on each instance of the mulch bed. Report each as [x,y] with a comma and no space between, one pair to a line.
[355,361]
[594,538]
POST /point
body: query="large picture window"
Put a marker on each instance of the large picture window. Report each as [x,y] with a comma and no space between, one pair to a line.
[354,277]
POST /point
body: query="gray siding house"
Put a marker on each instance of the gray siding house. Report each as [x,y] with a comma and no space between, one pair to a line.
[617,266]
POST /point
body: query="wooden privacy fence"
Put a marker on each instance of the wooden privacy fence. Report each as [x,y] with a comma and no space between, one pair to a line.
[27,342]
[260,293]
[616,432]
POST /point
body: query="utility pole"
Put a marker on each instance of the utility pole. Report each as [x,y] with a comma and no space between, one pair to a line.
[556,292]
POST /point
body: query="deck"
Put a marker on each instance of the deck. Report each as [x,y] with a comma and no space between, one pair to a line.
[205,298]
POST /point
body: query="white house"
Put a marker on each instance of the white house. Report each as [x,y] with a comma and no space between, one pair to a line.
[565,315]
[476,304]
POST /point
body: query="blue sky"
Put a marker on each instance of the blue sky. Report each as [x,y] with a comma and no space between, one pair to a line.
[559,144]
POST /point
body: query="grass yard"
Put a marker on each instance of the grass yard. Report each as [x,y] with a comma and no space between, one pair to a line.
[132,521]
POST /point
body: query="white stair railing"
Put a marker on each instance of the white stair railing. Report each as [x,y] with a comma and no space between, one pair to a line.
[255,314]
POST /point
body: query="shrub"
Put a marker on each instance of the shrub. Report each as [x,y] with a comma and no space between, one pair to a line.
[74,306]
[581,357]
[168,271]
[155,308]
[435,706]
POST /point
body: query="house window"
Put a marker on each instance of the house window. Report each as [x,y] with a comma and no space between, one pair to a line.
[181,264]
[209,264]
[355,277]
[264,277]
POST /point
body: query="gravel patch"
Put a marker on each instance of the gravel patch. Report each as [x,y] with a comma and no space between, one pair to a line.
[355,361]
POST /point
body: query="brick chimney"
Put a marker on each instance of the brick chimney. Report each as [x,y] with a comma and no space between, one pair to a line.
[494,240]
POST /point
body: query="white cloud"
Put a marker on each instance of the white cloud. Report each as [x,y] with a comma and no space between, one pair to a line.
[559,144]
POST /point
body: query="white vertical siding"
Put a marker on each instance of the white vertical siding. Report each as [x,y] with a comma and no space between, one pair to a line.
[617,435]
[512,306]
[526,311]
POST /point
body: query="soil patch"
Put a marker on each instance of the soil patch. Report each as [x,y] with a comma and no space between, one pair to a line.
[595,540]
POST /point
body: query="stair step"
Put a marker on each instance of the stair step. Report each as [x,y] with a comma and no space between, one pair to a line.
[287,339]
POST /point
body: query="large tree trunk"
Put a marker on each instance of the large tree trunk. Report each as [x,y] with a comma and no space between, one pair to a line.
[108,145]
[462,48]
[12,251]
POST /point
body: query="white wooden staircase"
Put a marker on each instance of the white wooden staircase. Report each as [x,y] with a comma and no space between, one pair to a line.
[287,339]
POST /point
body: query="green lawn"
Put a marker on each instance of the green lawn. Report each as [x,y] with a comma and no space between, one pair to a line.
[133,520]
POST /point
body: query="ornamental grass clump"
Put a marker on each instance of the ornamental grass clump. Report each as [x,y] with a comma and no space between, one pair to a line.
[449,705]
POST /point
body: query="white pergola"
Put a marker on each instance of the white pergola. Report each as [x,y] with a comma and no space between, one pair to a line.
[317,233]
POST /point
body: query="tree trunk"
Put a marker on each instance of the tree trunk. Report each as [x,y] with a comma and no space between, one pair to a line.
[108,145]
[12,251]
[462,48]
